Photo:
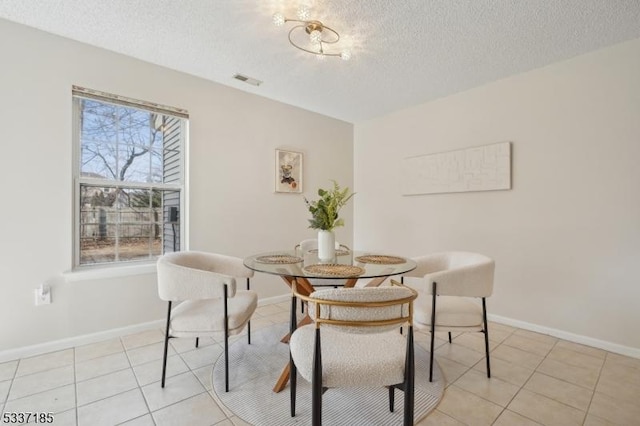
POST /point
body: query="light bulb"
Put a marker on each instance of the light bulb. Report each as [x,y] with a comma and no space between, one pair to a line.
[303,12]
[345,55]
[315,37]
[278,19]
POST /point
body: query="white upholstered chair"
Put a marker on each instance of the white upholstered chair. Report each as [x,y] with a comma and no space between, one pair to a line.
[447,284]
[210,304]
[354,342]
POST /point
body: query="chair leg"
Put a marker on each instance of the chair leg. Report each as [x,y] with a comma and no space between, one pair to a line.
[392,398]
[293,379]
[197,341]
[226,342]
[433,330]
[449,337]
[293,372]
[166,346]
[249,322]
[409,380]
[486,336]
[316,383]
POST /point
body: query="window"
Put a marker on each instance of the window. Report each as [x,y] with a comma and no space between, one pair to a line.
[128,176]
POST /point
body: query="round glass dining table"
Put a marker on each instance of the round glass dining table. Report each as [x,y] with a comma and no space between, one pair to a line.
[348,265]
[345,269]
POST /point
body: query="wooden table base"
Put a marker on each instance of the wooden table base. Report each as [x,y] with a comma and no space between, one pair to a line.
[283,379]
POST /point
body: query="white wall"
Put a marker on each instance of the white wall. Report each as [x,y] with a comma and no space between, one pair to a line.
[233,208]
[566,238]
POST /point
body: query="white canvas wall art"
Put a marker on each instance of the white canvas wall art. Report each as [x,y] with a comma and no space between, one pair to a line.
[482,168]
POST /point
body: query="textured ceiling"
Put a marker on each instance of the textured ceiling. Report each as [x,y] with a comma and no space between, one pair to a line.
[405,52]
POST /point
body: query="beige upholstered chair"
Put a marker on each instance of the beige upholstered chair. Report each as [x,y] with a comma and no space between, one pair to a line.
[447,284]
[359,345]
[210,304]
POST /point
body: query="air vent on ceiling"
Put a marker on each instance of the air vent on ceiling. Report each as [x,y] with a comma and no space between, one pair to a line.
[248,80]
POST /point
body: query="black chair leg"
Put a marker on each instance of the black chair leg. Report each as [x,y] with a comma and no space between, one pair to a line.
[197,341]
[449,337]
[166,346]
[293,372]
[486,336]
[226,362]
[316,383]
[226,343]
[433,330]
[392,397]
[293,379]
[409,381]
[249,322]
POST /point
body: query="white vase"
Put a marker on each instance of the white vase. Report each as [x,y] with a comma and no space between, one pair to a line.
[326,245]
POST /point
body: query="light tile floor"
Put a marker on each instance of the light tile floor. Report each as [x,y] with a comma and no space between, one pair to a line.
[536,380]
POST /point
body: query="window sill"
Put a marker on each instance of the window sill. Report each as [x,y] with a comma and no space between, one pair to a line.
[102,272]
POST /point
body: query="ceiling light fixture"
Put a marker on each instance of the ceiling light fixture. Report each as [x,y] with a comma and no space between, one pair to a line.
[319,35]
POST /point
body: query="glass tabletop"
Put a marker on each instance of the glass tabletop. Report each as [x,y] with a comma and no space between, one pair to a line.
[346,264]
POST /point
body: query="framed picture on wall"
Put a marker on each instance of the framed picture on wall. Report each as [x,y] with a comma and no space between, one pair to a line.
[288,171]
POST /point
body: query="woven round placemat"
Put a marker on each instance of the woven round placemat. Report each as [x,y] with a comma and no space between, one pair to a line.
[381,259]
[278,259]
[339,252]
[334,270]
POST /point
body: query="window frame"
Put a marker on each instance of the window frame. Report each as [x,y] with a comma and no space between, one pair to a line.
[78,180]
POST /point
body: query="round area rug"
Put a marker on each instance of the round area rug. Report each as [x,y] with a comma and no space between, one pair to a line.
[254,370]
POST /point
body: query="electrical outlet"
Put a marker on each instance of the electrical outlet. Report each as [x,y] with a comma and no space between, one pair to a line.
[43,295]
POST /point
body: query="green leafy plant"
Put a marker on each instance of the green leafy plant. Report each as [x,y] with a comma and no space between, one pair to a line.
[324,211]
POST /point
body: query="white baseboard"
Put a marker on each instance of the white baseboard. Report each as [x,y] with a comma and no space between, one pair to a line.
[85,339]
[70,342]
[571,337]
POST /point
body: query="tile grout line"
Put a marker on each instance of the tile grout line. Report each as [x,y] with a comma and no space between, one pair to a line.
[507,404]
[513,397]
[461,375]
[586,411]
[75,387]
[192,371]
[483,360]
[144,398]
[534,371]
[6,398]
[139,386]
[595,387]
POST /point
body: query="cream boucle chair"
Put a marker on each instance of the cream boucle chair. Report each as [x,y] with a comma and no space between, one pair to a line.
[205,284]
[359,345]
[447,283]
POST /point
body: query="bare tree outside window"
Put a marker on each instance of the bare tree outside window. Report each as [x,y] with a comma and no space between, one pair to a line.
[130,181]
